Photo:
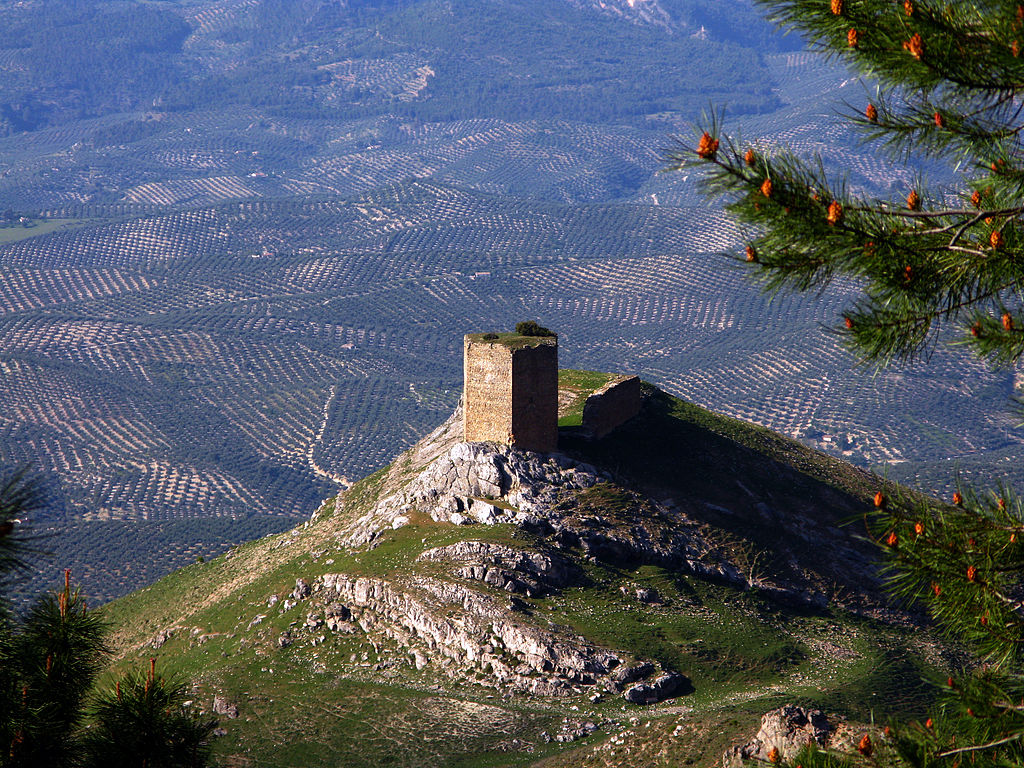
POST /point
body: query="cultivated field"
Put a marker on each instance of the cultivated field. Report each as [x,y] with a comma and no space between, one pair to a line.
[227,314]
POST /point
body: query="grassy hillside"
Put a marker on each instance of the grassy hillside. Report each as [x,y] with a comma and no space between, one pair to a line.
[359,698]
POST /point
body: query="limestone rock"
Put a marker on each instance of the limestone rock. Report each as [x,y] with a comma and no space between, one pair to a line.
[647,595]
[161,637]
[408,613]
[463,483]
[525,572]
[336,617]
[663,687]
[788,729]
[623,676]
[224,708]
[302,590]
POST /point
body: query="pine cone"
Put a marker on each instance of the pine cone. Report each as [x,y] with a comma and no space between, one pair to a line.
[915,45]
[835,213]
[708,147]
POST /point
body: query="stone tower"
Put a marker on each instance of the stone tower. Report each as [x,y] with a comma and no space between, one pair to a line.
[511,390]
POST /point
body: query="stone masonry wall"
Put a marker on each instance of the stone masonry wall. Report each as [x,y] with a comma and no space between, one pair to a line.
[612,405]
[535,398]
[487,392]
[511,394]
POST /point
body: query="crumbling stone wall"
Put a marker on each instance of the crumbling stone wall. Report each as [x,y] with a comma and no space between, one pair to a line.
[511,391]
[612,405]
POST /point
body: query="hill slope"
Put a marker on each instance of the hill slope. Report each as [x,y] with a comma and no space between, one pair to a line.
[472,604]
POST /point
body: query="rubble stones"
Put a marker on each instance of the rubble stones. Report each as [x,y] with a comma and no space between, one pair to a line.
[224,708]
[570,732]
[161,637]
[648,595]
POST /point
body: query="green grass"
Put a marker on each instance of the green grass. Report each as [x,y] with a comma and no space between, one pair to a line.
[39,227]
[581,384]
[296,713]
[714,635]
[513,340]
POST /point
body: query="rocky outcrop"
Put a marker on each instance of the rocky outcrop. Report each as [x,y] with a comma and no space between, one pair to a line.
[484,483]
[530,573]
[468,609]
[663,687]
[788,730]
[482,632]
[224,708]
[553,495]
[302,590]
[161,637]
[462,485]
[625,675]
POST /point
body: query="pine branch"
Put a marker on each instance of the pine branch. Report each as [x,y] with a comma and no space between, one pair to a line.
[977,747]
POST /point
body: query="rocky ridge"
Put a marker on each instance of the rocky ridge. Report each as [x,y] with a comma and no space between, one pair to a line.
[456,617]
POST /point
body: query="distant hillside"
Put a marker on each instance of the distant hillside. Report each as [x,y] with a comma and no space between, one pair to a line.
[686,559]
[424,59]
[231,231]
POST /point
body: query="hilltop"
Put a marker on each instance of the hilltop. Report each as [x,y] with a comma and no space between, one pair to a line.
[475,604]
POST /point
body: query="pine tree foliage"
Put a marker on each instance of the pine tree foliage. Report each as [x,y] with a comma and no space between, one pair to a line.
[145,722]
[58,650]
[965,563]
[950,77]
[50,658]
[18,499]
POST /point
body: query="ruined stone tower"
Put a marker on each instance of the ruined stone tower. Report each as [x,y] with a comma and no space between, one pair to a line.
[511,390]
